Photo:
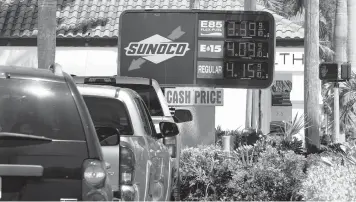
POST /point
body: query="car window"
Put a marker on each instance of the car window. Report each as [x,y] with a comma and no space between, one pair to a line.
[148,95]
[40,108]
[147,114]
[143,116]
[109,112]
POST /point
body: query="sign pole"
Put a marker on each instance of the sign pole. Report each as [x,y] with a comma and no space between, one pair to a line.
[252,96]
[336,134]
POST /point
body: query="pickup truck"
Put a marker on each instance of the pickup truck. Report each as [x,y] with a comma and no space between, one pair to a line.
[126,132]
[152,95]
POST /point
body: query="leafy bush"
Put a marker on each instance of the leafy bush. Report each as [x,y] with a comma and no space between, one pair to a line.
[329,183]
[276,175]
[205,173]
[289,136]
[235,134]
[257,172]
[247,136]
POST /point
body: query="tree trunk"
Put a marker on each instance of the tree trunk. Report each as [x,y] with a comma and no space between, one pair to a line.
[311,74]
[251,107]
[340,41]
[46,37]
[351,38]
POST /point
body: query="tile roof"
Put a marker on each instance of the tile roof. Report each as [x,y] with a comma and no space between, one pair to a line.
[100,18]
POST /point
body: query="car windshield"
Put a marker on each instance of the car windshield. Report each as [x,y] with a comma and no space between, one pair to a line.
[149,96]
[40,108]
[109,112]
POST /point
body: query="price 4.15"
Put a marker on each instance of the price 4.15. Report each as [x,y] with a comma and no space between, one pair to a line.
[243,70]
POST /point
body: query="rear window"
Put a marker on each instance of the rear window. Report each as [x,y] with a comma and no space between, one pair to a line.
[109,112]
[149,96]
[40,108]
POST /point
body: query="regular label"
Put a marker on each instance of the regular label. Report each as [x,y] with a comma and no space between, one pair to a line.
[211,28]
[210,69]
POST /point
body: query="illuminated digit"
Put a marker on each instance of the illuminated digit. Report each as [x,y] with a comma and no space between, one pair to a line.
[212,48]
[260,33]
[243,28]
[259,75]
[259,52]
[219,24]
[244,71]
[230,48]
[242,49]
[231,29]
[252,49]
[259,67]
[211,24]
[260,29]
[251,70]
[252,28]
[230,68]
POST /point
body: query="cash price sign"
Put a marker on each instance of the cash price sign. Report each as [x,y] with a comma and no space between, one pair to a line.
[228,49]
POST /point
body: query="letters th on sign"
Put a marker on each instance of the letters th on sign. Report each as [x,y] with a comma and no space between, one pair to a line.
[194,96]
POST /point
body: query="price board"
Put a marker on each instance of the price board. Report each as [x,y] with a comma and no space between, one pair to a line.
[229,49]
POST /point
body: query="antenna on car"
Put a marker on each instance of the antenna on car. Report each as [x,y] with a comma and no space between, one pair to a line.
[56,69]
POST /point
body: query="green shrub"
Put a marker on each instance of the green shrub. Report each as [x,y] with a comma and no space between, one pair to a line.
[205,173]
[236,136]
[247,136]
[277,174]
[258,172]
[329,183]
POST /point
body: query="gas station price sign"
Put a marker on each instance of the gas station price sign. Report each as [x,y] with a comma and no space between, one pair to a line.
[246,60]
[205,48]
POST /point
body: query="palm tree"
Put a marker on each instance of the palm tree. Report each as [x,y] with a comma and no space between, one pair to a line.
[46,38]
[311,72]
[294,10]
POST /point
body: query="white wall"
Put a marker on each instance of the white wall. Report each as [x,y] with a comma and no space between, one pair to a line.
[82,61]
[233,114]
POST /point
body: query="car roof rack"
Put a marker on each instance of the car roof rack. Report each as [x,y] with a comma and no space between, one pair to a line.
[56,69]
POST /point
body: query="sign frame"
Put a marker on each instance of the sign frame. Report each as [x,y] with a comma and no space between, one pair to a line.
[210,15]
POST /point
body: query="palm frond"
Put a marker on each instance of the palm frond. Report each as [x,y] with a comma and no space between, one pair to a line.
[325,53]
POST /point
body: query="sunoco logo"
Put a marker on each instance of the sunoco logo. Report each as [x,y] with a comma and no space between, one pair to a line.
[146,49]
[157,48]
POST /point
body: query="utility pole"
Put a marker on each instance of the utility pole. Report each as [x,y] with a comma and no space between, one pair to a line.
[252,96]
[46,36]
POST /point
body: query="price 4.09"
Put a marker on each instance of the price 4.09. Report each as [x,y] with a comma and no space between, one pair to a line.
[245,70]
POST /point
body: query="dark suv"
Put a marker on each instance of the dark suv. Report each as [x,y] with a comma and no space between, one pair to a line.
[49,149]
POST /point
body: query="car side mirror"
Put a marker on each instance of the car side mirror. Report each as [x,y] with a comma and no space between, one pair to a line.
[182,115]
[168,129]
